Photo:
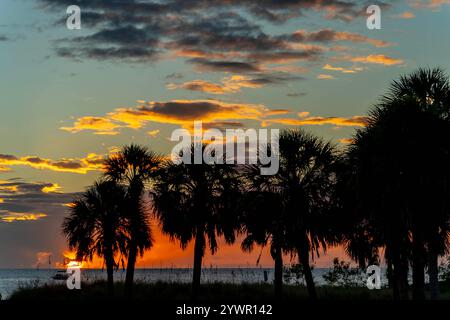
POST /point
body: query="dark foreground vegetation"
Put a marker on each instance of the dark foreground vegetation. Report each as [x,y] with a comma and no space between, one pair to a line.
[215,292]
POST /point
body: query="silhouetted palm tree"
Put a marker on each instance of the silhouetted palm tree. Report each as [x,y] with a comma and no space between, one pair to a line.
[263,223]
[430,88]
[133,167]
[399,165]
[95,225]
[300,194]
[197,202]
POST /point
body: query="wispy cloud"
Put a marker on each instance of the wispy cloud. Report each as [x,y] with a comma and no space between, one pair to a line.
[377,59]
[92,162]
[234,83]
[10,217]
[355,121]
[428,4]
[325,77]
[99,125]
[329,35]
[329,67]
[406,15]
[153,133]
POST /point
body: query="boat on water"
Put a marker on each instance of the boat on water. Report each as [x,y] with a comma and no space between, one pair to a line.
[61,275]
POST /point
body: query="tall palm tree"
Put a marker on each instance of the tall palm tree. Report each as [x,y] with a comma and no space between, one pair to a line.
[430,88]
[197,202]
[303,188]
[133,167]
[263,224]
[370,216]
[95,225]
[399,167]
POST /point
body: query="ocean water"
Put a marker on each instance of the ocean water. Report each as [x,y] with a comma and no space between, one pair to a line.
[13,279]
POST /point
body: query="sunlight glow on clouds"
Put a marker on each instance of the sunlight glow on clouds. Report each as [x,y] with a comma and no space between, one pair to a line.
[213,113]
[54,187]
[378,59]
[10,217]
[405,15]
[229,85]
[327,35]
[153,133]
[329,67]
[429,4]
[325,77]
[356,121]
[99,125]
[92,162]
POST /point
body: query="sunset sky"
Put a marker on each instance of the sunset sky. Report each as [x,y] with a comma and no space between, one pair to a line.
[139,69]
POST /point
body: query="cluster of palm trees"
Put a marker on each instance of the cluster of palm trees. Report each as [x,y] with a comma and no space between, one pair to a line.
[395,188]
[387,193]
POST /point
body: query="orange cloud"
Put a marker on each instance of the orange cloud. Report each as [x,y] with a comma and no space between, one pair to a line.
[184,112]
[99,125]
[10,217]
[405,15]
[229,85]
[325,77]
[303,114]
[358,38]
[191,53]
[92,162]
[355,121]
[216,114]
[153,133]
[429,4]
[329,67]
[53,188]
[377,59]
[327,35]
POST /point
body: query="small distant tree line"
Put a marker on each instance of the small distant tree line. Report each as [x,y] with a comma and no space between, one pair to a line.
[387,193]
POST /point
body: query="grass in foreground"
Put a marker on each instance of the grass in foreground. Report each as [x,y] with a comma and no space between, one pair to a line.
[213,292]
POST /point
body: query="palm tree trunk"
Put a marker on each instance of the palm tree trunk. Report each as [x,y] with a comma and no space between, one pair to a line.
[418,268]
[403,280]
[393,259]
[389,274]
[198,257]
[304,262]
[129,278]
[433,273]
[278,282]
[109,259]
[400,276]
[418,278]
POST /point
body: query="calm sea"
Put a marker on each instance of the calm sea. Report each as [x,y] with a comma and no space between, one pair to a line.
[13,279]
